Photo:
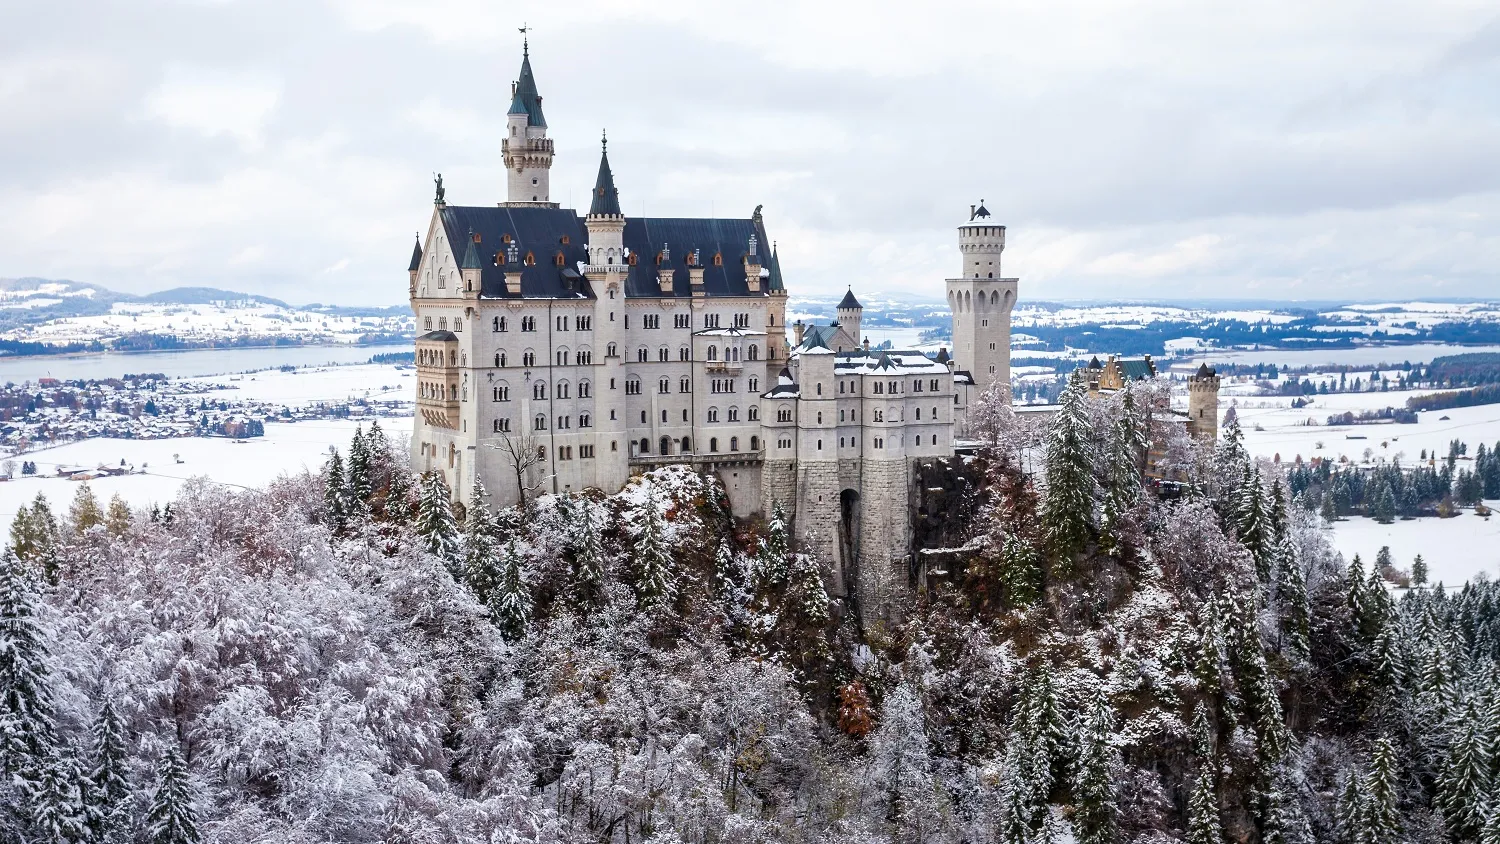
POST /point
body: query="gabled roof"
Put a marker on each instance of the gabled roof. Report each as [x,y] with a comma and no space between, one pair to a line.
[440,334]
[776,285]
[1205,371]
[849,301]
[1137,370]
[416,258]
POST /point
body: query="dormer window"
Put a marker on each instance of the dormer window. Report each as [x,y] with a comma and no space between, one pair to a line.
[505,238]
[566,240]
[558,260]
[632,259]
[718,259]
[530,259]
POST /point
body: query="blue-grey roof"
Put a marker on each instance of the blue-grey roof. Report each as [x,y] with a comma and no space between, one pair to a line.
[606,198]
[776,284]
[819,335]
[416,258]
[471,256]
[526,93]
[441,334]
[540,231]
[849,301]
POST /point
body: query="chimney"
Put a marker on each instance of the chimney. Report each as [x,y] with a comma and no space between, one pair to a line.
[797,330]
[971,213]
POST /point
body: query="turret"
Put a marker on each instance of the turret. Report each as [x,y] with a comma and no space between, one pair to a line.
[981,301]
[471,266]
[605,222]
[416,265]
[526,150]
[1203,403]
[850,311]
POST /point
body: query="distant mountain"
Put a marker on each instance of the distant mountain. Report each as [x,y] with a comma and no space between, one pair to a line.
[205,296]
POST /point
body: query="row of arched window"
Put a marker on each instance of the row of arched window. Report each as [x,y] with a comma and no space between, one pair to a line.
[964,301]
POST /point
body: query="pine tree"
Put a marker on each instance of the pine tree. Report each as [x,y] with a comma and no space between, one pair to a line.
[1419,571]
[510,601]
[1385,505]
[728,587]
[1354,811]
[59,804]
[1252,522]
[26,731]
[84,512]
[335,493]
[1122,477]
[23,535]
[1020,571]
[901,765]
[771,563]
[117,518]
[1464,781]
[170,819]
[110,789]
[359,484]
[398,498]
[588,559]
[435,522]
[806,598]
[1291,600]
[1327,509]
[656,583]
[1067,515]
[479,545]
[44,539]
[1382,817]
[1094,789]
[1204,825]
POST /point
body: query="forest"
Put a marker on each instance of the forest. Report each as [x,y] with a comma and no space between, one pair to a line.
[346,656]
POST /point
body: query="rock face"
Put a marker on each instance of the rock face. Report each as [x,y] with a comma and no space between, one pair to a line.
[946,495]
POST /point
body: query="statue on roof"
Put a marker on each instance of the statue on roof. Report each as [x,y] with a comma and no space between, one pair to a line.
[756,215]
[438,179]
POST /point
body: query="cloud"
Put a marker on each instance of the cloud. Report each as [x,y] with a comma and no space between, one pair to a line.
[1160,148]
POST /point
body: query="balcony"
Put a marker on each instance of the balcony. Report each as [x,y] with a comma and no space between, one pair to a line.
[729,366]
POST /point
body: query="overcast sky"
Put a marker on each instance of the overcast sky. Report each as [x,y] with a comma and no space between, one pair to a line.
[1333,149]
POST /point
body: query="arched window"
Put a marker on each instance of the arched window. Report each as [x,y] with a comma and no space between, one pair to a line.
[713,352]
[540,422]
[539,390]
[734,414]
[753,414]
[664,445]
[713,414]
[687,444]
[610,351]
[645,445]
[642,354]
[499,359]
[734,443]
[684,385]
[684,353]
[755,443]
[664,385]
[754,353]
[713,443]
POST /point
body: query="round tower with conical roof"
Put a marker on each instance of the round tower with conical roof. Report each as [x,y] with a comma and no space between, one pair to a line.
[850,312]
[981,300]
[526,150]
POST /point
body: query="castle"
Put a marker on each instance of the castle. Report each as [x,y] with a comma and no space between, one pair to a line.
[557,353]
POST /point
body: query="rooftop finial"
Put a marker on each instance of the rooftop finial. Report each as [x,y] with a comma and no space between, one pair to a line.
[525,41]
[604,140]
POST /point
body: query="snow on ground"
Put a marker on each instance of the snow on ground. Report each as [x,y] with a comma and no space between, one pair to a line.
[286,449]
[1281,434]
[1357,356]
[217,321]
[329,384]
[1455,549]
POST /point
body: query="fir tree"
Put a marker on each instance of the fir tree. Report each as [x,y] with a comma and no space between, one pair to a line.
[656,582]
[84,513]
[26,732]
[1204,825]
[398,508]
[728,588]
[901,765]
[170,819]
[110,789]
[1385,505]
[117,518]
[806,598]
[1382,819]
[479,545]
[1464,781]
[588,559]
[1252,522]
[1122,477]
[1354,811]
[335,493]
[359,485]
[1291,600]
[1419,571]
[1327,510]
[510,601]
[1020,571]
[771,563]
[44,539]
[59,801]
[435,522]
[1094,789]
[1067,515]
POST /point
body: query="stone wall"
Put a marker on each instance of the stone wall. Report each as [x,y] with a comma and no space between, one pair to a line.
[817,520]
[883,586]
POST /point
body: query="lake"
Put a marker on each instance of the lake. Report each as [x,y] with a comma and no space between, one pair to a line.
[1358,356]
[189,364]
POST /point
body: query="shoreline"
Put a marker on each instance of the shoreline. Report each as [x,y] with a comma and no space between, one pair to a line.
[108,352]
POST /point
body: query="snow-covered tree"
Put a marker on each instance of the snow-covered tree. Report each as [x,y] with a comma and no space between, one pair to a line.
[1253,524]
[1464,782]
[171,818]
[398,508]
[34,535]
[336,493]
[479,544]
[1094,774]
[806,598]
[1067,515]
[117,517]
[435,522]
[588,558]
[510,600]
[771,563]
[109,788]
[26,725]
[1204,823]
[656,578]
[360,485]
[84,512]
[59,800]
[901,766]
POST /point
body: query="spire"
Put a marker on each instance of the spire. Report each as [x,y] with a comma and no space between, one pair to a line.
[526,96]
[471,255]
[850,302]
[776,285]
[606,198]
[416,257]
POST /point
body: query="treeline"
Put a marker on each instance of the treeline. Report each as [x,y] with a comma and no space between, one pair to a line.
[1462,398]
[1390,491]
[1400,416]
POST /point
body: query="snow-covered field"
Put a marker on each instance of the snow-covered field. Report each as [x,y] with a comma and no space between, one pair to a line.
[286,449]
[1455,549]
[329,384]
[219,321]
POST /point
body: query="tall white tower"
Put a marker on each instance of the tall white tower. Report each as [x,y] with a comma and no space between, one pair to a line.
[981,301]
[526,150]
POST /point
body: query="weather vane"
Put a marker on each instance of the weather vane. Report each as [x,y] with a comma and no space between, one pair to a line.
[525,42]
